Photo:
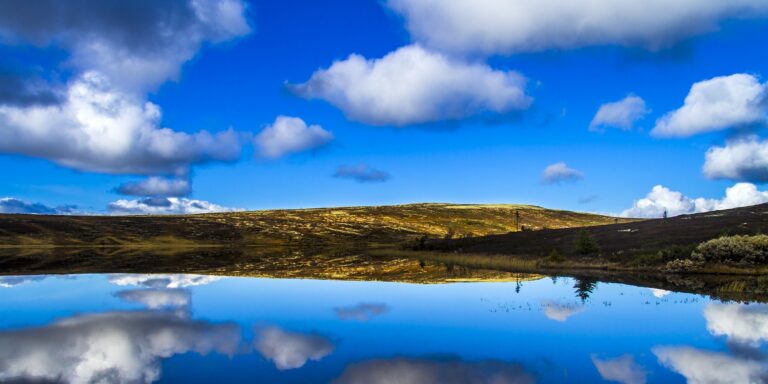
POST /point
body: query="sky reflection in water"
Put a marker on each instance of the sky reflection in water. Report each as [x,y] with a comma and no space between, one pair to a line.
[189,328]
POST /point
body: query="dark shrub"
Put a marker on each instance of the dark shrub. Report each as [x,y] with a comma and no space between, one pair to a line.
[585,244]
[679,266]
[747,250]
[555,257]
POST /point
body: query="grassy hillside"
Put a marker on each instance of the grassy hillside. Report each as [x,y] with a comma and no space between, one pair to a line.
[649,243]
[371,226]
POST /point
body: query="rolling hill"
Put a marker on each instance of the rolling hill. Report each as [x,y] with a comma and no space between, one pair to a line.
[369,226]
[619,241]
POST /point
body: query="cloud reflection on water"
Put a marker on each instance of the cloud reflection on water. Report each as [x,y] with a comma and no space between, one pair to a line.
[162,280]
[154,298]
[12,281]
[291,350]
[560,311]
[659,293]
[111,347]
[403,370]
[622,369]
[705,367]
[746,324]
[361,312]
[745,327]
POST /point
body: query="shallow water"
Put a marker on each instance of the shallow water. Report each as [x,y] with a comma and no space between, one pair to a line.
[192,328]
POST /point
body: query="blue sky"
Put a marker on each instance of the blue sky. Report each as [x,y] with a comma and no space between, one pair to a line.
[496,114]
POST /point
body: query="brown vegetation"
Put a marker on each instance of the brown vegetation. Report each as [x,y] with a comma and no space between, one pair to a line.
[306,228]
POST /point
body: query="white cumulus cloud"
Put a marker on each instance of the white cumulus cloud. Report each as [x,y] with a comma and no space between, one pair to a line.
[98,118]
[559,173]
[745,158]
[288,135]
[622,114]
[413,85]
[511,26]
[165,206]
[717,104]
[100,129]
[662,199]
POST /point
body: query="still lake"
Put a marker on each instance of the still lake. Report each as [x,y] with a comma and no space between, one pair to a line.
[196,328]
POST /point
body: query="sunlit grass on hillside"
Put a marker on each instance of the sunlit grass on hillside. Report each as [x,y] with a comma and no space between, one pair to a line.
[293,228]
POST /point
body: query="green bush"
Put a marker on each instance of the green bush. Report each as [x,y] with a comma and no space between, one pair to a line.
[745,250]
[585,244]
[678,266]
[555,256]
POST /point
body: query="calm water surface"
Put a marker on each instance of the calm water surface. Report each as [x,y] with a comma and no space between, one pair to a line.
[191,328]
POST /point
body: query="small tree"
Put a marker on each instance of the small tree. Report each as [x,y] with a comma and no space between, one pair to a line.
[585,244]
[555,257]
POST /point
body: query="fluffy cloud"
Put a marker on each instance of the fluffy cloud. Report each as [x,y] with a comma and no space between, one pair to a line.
[560,312]
[716,104]
[99,120]
[13,205]
[622,114]
[415,86]
[289,135]
[137,44]
[103,130]
[165,206]
[361,173]
[622,369]
[433,371]
[158,298]
[739,323]
[291,350]
[119,347]
[510,26]
[662,199]
[162,281]
[362,311]
[704,367]
[745,159]
[559,173]
[156,186]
